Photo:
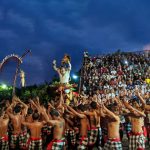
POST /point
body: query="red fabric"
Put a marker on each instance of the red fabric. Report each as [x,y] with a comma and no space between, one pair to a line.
[144,131]
[5,137]
[82,139]
[92,128]
[105,138]
[138,133]
[115,140]
[33,139]
[49,147]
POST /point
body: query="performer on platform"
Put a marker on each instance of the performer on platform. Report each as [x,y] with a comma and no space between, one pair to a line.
[63,72]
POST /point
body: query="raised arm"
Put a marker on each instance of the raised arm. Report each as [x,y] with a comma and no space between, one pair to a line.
[145,106]
[111,114]
[140,97]
[89,113]
[69,67]
[55,67]
[76,113]
[47,119]
[26,123]
[133,110]
[99,111]
[66,109]
[24,105]
[61,100]
[69,121]
[9,110]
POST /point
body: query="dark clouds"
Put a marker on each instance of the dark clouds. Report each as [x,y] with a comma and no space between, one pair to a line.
[51,28]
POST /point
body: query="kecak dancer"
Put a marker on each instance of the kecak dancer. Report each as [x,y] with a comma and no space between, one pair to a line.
[4,120]
[17,112]
[136,137]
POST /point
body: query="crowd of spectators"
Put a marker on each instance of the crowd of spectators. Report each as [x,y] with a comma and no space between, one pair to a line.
[108,75]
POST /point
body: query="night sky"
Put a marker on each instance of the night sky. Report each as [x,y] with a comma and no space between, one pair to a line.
[51,28]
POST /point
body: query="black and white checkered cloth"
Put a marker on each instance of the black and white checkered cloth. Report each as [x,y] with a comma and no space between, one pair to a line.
[113,145]
[104,131]
[21,138]
[49,130]
[71,134]
[4,143]
[83,142]
[56,144]
[13,140]
[99,136]
[35,144]
[44,130]
[136,141]
[92,136]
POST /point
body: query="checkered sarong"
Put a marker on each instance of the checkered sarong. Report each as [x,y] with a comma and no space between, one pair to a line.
[99,136]
[49,130]
[35,144]
[56,144]
[128,127]
[83,142]
[22,138]
[136,140]
[113,144]
[104,131]
[92,136]
[105,134]
[71,134]
[44,130]
[4,143]
[14,138]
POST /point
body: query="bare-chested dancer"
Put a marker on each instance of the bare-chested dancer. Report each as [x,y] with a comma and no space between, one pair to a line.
[58,125]
[113,141]
[92,130]
[69,129]
[35,140]
[4,120]
[100,114]
[136,137]
[17,111]
[84,124]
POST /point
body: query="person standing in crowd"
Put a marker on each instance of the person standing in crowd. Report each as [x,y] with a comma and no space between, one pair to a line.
[4,120]
[93,119]
[35,141]
[113,141]
[136,137]
[84,124]
[17,112]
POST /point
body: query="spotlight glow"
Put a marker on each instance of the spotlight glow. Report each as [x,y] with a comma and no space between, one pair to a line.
[126,62]
[4,86]
[74,76]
